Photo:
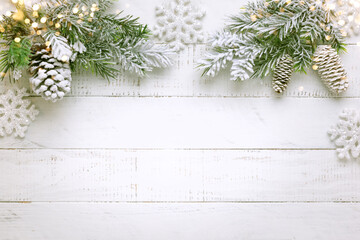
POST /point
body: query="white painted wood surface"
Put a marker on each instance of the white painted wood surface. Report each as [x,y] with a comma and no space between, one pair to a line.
[113,221]
[177,156]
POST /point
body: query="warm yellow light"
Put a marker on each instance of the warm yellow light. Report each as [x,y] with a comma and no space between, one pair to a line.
[93,9]
[43,20]
[92,14]
[288,2]
[18,16]
[81,15]
[341,22]
[83,8]
[38,32]
[57,25]
[57,33]
[253,18]
[35,14]
[328,37]
[59,15]
[36,7]
[15,1]
[312,8]
[75,10]
[27,21]
[47,43]
[315,67]
[34,24]
[64,58]
[17,39]
[94,5]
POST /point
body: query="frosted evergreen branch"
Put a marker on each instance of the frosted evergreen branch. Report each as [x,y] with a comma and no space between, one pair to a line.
[59,45]
[228,47]
[140,56]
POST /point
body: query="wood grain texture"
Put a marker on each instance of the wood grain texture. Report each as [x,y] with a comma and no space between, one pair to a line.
[177,176]
[184,80]
[59,221]
[269,123]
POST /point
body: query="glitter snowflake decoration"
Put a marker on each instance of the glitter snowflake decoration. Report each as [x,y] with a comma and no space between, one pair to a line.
[347,14]
[16,113]
[179,23]
[346,135]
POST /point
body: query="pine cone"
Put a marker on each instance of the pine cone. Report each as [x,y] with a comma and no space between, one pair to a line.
[330,68]
[282,74]
[51,78]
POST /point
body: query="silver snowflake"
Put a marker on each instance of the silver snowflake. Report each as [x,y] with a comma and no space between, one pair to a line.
[347,14]
[346,135]
[16,113]
[179,23]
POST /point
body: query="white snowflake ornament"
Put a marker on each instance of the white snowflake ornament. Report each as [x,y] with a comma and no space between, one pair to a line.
[16,113]
[179,23]
[346,135]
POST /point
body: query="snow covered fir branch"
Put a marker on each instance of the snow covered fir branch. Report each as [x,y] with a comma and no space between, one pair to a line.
[279,37]
[53,38]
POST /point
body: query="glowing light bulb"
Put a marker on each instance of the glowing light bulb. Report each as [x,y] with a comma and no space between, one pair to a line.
[253,18]
[36,7]
[15,1]
[288,2]
[38,32]
[64,58]
[57,25]
[17,39]
[341,22]
[34,24]
[83,8]
[47,43]
[75,10]
[43,20]
[312,8]
[59,15]
[27,21]
[315,67]
[328,37]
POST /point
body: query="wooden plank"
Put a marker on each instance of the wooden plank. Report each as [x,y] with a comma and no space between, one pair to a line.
[176,176]
[182,123]
[179,221]
[184,80]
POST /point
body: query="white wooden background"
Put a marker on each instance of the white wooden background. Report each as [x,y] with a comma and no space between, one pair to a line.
[177,156]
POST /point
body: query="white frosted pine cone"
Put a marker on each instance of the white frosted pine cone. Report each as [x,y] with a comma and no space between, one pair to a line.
[51,78]
[328,64]
[282,74]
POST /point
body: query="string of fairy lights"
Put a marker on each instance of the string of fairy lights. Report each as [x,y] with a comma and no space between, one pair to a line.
[347,13]
[41,23]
